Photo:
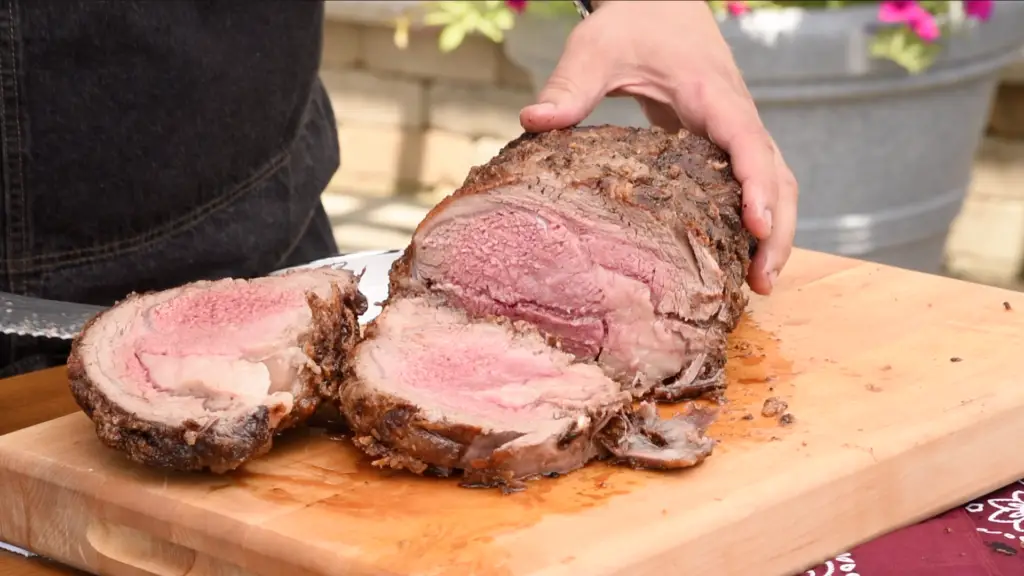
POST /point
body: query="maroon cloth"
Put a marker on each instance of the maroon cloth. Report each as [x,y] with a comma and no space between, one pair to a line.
[983,538]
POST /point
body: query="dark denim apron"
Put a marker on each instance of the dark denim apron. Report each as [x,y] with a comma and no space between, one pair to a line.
[144,144]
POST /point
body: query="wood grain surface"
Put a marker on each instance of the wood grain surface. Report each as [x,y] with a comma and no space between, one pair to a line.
[904,388]
[25,401]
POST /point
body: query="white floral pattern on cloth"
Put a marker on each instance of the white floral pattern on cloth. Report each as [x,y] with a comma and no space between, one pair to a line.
[841,565]
[1004,513]
[982,538]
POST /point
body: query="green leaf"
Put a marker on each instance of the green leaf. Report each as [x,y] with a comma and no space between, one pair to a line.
[902,46]
[438,18]
[490,29]
[504,19]
[454,7]
[552,8]
[451,37]
[471,20]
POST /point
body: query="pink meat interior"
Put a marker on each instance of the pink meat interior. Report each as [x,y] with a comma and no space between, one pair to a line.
[208,349]
[595,284]
[477,373]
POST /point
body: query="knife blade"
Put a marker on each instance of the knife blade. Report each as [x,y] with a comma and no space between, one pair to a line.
[29,316]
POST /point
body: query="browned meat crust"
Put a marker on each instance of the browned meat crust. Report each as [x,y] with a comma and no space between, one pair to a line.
[399,435]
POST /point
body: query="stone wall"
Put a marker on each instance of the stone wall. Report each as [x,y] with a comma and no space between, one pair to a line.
[414,121]
[987,240]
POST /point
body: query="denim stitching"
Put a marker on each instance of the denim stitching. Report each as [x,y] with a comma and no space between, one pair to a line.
[28,263]
[14,193]
[47,262]
[298,240]
[19,183]
[10,267]
[52,261]
[14,160]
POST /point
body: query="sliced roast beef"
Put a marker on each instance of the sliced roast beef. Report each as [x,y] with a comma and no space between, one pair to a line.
[432,390]
[624,244]
[202,376]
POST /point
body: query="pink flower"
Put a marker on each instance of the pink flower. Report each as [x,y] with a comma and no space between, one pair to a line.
[980,9]
[915,16]
[895,11]
[926,27]
[737,7]
[517,6]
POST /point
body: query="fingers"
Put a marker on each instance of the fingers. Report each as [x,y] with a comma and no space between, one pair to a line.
[733,124]
[730,119]
[773,253]
[575,88]
[680,80]
[659,114]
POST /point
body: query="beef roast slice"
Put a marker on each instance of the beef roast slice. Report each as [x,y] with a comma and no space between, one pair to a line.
[625,244]
[202,376]
[431,390]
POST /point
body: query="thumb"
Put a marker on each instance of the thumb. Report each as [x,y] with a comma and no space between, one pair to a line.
[574,89]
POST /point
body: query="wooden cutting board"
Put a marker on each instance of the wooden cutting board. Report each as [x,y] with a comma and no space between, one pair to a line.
[906,393]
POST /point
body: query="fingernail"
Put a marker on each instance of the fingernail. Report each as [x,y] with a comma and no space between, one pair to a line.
[772,276]
[767,216]
[544,108]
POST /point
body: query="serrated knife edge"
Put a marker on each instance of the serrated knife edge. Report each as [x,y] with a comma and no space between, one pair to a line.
[29,316]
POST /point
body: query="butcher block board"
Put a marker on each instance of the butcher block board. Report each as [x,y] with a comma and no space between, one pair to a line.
[907,398]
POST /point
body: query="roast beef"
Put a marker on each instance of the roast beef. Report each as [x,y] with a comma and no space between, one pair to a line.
[576,271]
[624,244]
[432,390]
[202,376]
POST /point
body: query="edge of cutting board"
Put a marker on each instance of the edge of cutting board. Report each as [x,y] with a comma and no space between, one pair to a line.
[114,532]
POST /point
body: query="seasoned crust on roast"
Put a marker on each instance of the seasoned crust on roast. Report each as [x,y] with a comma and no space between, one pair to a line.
[392,430]
[699,197]
[192,447]
[689,184]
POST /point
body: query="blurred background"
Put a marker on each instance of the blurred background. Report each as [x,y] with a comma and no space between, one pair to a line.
[911,158]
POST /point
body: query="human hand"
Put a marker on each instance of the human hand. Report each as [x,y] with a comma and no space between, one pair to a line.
[671,57]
